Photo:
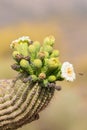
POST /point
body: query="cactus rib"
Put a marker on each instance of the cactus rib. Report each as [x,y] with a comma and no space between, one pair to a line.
[23,104]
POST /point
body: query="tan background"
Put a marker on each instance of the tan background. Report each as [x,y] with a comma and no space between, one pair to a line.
[67,21]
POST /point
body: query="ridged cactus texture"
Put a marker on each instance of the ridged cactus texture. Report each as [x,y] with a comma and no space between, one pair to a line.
[39,68]
[21,102]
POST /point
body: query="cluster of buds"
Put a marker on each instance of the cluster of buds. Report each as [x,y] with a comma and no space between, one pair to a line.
[40,61]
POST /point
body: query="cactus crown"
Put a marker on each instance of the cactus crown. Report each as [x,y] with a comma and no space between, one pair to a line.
[40,62]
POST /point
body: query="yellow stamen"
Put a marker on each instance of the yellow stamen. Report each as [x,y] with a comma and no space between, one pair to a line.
[69,71]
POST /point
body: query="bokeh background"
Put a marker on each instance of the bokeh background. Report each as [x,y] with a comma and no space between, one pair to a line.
[67,21]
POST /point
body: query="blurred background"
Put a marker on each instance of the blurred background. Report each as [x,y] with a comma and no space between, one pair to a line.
[67,21]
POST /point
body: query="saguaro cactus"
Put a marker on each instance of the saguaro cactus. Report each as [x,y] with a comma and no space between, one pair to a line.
[38,67]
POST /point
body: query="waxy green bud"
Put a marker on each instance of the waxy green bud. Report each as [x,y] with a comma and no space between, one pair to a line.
[45,82]
[53,63]
[41,48]
[22,48]
[15,53]
[55,53]
[26,66]
[46,54]
[24,63]
[34,78]
[32,52]
[52,78]
[48,49]
[59,77]
[32,49]
[49,40]
[46,60]
[37,45]
[37,63]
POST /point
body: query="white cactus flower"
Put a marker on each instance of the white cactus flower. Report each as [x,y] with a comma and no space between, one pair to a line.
[68,71]
[24,38]
[20,39]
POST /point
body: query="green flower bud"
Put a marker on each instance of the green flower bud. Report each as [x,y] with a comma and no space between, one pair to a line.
[46,54]
[22,48]
[59,77]
[58,74]
[49,40]
[45,82]
[37,63]
[52,78]
[48,49]
[44,69]
[42,75]
[24,63]
[32,49]
[53,63]
[37,45]
[46,60]
[34,78]
[15,53]
[42,48]
[55,53]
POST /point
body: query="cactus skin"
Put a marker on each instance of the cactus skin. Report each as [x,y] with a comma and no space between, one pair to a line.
[21,102]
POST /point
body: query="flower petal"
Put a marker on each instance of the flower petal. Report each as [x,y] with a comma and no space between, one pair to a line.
[68,71]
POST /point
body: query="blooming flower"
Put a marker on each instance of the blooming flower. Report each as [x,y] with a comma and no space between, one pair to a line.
[24,38]
[68,71]
[21,39]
